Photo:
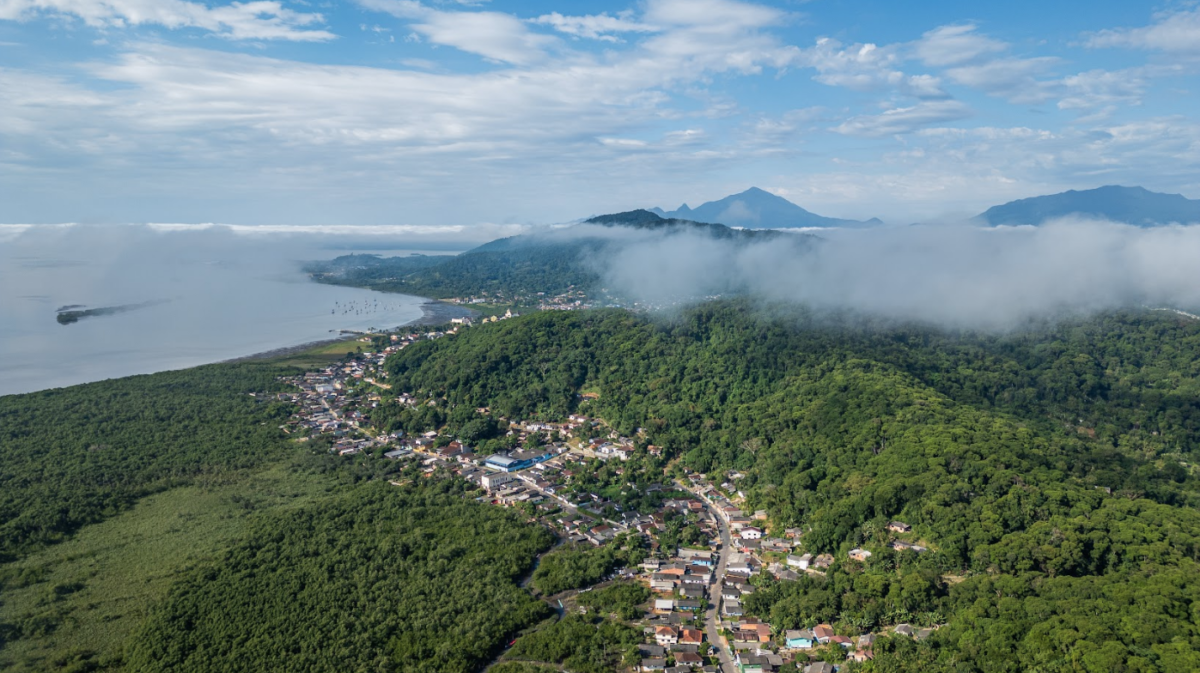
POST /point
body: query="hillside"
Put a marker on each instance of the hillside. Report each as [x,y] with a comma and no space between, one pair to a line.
[1130,205]
[1050,473]
[759,209]
[522,269]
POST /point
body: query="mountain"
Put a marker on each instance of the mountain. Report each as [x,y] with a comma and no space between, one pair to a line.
[758,209]
[1132,205]
[522,269]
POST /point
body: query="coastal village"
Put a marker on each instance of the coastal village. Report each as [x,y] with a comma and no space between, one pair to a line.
[695,620]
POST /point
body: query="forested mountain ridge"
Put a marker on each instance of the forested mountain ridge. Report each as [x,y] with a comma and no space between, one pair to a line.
[523,268]
[1049,472]
[1131,205]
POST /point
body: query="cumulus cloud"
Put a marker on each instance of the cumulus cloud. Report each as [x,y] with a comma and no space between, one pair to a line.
[866,67]
[255,20]
[955,275]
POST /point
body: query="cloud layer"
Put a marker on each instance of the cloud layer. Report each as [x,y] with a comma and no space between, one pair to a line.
[956,276]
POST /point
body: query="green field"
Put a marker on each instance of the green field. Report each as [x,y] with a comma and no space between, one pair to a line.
[98,586]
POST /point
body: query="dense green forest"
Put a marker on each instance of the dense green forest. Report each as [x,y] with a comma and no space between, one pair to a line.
[75,456]
[584,644]
[1049,471]
[583,565]
[623,599]
[136,510]
[380,578]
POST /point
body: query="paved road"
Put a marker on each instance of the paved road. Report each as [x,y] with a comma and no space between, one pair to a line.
[714,591]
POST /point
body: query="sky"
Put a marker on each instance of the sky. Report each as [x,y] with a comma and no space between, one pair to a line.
[466,113]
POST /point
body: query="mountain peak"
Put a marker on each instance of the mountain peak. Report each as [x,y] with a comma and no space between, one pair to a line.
[757,208]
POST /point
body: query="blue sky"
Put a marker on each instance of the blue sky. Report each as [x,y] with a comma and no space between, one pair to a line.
[458,112]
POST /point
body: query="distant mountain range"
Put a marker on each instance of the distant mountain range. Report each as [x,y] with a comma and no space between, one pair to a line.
[758,209]
[1131,205]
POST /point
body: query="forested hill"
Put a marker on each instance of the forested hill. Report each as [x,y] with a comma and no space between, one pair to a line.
[521,268]
[1050,474]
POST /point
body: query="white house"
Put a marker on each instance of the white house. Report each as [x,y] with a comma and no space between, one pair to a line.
[751,533]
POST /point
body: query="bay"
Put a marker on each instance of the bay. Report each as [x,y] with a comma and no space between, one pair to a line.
[204,297]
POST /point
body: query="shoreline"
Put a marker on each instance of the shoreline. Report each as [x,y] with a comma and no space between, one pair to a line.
[433,312]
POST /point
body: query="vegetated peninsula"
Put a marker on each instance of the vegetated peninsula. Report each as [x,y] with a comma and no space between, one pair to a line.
[74,313]
[557,268]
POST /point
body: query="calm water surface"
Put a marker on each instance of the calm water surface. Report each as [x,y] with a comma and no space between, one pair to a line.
[215,300]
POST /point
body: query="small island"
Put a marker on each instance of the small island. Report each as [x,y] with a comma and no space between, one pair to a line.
[76,312]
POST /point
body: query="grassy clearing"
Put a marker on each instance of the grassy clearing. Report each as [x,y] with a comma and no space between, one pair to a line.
[320,356]
[85,596]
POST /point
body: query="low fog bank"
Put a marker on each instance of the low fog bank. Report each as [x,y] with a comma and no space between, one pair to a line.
[957,276]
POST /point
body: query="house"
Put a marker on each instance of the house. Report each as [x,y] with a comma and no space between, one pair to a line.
[689,659]
[663,606]
[801,562]
[750,533]
[819,667]
[866,641]
[687,606]
[690,637]
[859,554]
[862,656]
[899,527]
[823,561]
[665,635]
[654,664]
[843,641]
[823,633]
[799,640]
[652,651]
[732,608]
[756,632]
[904,630]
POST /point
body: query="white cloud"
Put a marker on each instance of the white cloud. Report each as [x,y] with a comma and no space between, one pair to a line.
[256,20]
[905,119]
[713,15]
[1103,88]
[492,35]
[1014,79]
[867,68]
[955,45]
[593,26]
[1172,32]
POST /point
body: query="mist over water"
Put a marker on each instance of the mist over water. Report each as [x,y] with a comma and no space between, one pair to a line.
[217,294]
